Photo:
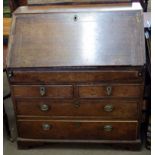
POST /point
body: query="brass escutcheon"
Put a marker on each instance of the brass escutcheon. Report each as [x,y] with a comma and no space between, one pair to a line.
[42,91]
[75,18]
[109,90]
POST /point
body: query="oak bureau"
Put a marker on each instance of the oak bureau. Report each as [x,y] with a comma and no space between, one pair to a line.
[76,73]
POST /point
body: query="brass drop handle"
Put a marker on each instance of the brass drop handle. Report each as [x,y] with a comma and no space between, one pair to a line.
[44,107]
[42,91]
[108,128]
[109,90]
[108,108]
[46,126]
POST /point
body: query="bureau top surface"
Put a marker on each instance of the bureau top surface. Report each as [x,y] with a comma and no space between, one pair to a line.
[77,35]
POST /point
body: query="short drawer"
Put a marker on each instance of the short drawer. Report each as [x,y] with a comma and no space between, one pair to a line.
[71,129]
[52,91]
[110,90]
[107,109]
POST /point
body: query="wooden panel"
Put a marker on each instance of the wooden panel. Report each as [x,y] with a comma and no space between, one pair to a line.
[74,1]
[77,36]
[117,90]
[53,91]
[22,2]
[77,130]
[38,77]
[108,109]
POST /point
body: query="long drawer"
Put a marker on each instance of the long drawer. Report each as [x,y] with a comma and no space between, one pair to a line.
[38,77]
[67,129]
[110,90]
[109,109]
[52,91]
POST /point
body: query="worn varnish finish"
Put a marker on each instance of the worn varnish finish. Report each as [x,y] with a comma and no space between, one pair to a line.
[117,90]
[14,4]
[32,2]
[76,37]
[53,91]
[94,75]
[78,130]
[109,109]
[68,88]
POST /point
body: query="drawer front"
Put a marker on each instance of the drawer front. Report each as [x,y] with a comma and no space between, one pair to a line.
[111,90]
[108,109]
[52,91]
[37,77]
[60,129]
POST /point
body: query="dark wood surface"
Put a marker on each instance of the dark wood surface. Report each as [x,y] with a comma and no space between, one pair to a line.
[85,91]
[28,107]
[22,2]
[100,91]
[120,109]
[85,129]
[53,91]
[83,41]
[24,143]
[87,98]
[74,1]
[14,4]
[47,76]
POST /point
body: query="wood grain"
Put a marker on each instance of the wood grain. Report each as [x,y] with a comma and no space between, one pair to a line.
[78,130]
[74,1]
[34,76]
[51,48]
[80,109]
[75,39]
[117,90]
[53,91]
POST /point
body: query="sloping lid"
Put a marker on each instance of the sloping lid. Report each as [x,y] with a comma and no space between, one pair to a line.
[82,35]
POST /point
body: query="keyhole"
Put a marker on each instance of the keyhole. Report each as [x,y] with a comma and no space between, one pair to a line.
[75,18]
